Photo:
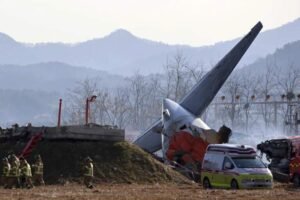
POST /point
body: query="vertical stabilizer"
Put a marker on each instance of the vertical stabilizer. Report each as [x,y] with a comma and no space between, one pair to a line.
[206,89]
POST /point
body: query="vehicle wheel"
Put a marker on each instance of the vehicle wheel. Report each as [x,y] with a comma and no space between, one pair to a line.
[234,185]
[206,183]
[296,180]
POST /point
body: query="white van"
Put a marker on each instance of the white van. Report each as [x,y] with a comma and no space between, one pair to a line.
[234,166]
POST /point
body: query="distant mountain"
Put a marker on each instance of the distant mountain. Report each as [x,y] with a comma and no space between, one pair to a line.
[269,41]
[52,77]
[23,106]
[30,93]
[282,59]
[123,53]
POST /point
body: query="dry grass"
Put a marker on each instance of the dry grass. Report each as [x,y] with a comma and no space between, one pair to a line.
[145,192]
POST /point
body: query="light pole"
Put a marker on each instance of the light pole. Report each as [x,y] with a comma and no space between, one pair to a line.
[87,107]
[59,113]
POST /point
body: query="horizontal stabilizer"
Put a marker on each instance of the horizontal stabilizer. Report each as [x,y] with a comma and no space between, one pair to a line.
[150,140]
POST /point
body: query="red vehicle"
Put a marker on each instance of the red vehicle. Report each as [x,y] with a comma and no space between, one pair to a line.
[284,157]
[294,166]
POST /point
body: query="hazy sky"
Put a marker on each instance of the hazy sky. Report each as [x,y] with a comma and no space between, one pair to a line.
[194,22]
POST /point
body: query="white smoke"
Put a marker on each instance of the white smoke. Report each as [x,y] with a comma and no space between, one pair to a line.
[256,135]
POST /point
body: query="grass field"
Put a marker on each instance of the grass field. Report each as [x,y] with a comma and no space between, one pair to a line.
[145,192]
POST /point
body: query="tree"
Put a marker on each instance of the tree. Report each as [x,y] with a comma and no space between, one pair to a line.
[249,86]
[289,83]
[177,85]
[76,99]
[120,107]
[266,87]
[232,89]
[138,95]
[76,103]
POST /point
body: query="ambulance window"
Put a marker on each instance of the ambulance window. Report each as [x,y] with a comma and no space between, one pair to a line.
[248,162]
[227,164]
[206,164]
[211,162]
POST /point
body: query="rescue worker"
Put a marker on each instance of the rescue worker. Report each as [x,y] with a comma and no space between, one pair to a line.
[13,158]
[88,172]
[38,171]
[13,176]
[25,174]
[5,172]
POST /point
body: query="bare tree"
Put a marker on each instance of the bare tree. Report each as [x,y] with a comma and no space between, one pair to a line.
[76,99]
[154,99]
[249,86]
[120,107]
[101,108]
[232,89]
[138,95]
[177,85]
[266,88]
[76,103]
[195,72]
[288,81]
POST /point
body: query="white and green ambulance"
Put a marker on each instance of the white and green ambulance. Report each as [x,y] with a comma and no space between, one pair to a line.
[234,166]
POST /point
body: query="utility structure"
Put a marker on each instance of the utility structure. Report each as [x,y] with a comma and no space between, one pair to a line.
[87,107]
[59,113]
[288,102]
[292,115]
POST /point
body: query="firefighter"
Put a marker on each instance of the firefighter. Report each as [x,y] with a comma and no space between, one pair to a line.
[13,176]
[38,171]
[5,171]
[14,159]
[88,172]
[25,174]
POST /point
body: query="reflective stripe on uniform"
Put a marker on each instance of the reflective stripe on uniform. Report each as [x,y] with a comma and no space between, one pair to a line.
[5,170]
[14,171]
[39,169]
[89,170]
[26,170]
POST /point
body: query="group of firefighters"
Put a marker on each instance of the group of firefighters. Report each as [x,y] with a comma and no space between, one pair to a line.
[17,172]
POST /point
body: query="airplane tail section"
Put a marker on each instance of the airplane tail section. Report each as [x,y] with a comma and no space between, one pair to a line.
[197,100]
[206,89]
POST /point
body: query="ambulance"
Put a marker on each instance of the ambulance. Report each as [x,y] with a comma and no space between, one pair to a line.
[234,166]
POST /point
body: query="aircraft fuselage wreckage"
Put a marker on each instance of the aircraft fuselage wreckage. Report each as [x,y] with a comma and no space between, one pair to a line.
[180,133]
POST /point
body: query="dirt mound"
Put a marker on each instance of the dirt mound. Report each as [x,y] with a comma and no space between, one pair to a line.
[119,162]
